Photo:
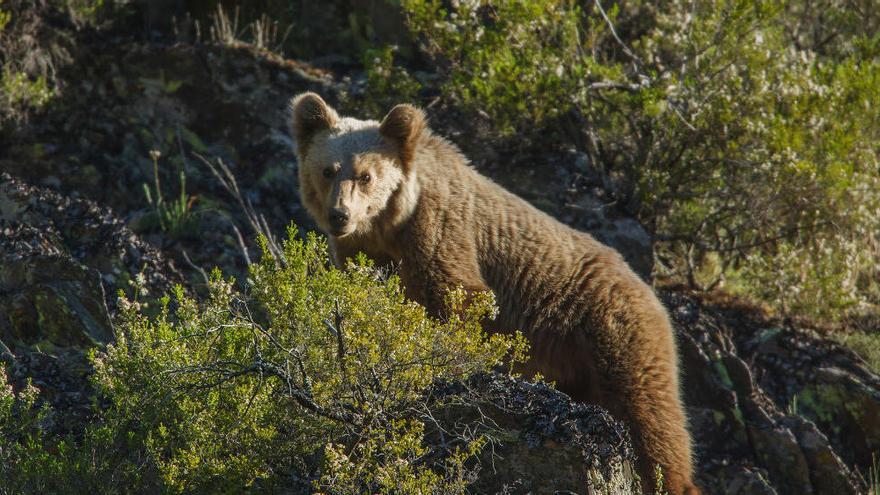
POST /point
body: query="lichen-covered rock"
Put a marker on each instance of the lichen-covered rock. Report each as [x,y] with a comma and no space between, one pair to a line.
[824,382]
[543,442]
[62,262]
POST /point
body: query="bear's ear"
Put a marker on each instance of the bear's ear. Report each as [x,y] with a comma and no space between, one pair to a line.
[309,115]
[402,127]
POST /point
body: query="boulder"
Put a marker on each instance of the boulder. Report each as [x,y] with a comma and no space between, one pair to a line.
[62,262]
[543,442]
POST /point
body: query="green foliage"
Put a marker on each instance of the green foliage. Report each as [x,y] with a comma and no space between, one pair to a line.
[85,12]
[18,421]
[316,373]
[238,393]
[833,28]
[348,473]
[865,344]
[767,161]
[744,137]
[659,489]
[510,59]
[387,83]
[174,216]
[35,462]
[18,90]
[5,17]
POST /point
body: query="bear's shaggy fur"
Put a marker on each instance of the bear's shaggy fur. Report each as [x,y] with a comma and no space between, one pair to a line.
[403,195]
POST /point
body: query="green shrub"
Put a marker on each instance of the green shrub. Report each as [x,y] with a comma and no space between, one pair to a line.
[20,91]
[34,461]
[745,144]
[387,83]
[768,165]
[87,12]
[510,59]
[315,374]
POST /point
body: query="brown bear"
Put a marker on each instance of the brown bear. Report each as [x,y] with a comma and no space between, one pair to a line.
[403,195]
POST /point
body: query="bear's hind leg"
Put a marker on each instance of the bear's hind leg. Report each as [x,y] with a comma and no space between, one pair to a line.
[640,387]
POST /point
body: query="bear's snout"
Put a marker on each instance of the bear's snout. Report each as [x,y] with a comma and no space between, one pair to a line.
[339,219]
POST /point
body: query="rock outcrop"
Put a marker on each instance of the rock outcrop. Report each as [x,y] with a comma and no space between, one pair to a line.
[543,442]
[62,262]
[751,387]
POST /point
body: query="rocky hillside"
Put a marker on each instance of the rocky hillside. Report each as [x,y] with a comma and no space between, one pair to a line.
[774,407]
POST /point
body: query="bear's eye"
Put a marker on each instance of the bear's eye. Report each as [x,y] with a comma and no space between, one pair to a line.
[329,173]
[365,178]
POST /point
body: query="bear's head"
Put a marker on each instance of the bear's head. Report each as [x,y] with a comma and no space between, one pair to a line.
[353,173]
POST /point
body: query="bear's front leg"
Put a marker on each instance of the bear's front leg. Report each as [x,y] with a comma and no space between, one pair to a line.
[342,250]
[428,285]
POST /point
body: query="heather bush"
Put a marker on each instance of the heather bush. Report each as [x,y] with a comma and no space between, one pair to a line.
[313,374]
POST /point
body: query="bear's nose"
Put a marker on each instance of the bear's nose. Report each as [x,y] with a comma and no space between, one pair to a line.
[338,218]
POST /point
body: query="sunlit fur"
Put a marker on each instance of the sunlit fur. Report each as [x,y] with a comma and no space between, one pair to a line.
[353,149]
[596,329]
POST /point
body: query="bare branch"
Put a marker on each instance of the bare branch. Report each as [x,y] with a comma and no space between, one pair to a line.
[241,244]
[257,221]
[614,85]
[611,28]
[196,267]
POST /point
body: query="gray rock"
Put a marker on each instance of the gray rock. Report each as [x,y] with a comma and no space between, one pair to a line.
[62,261]
[57,256]
[543,442]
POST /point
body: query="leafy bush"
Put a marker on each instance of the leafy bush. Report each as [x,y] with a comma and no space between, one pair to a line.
[508,58]
[33,460]
[744,141]
[387,83]
[87,12]
[18,421]
[20,92]
[315,374]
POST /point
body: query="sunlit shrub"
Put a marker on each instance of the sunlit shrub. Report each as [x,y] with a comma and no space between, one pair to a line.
[387,84]
[314,373]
